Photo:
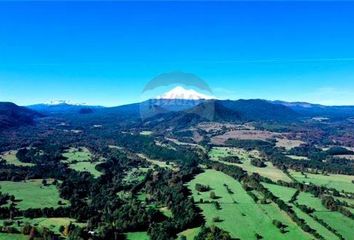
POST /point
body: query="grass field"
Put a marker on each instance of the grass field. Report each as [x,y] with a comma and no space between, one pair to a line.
[161,164]
[269,171]
[190,234]
[284,193]
[115,147]
[10,236]
[305,198]
[137,236]
[86,167]
[218,152]
[324,232]
[167,212]
[350,209]
[146,133]
[78,154]
[347,200]
[239,214]
[342,224]
[79,159]
[336,220]
[297,157]
[309,200]
[288,143]
[337,181]
[52,224]
[32,194]
[10,158]
[135,175]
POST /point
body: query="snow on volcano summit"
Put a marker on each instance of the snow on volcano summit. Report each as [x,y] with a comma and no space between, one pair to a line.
[182,93]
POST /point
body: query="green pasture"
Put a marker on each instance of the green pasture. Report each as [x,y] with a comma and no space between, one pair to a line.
[239,214]
[32,193]
[270,171]
[284,193]
[338,221]
[324,232]
[12,236]
[337,181]
[191,233]
[79,159]
[10,158]
[137,236]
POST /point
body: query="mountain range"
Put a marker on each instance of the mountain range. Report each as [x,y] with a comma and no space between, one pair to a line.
[12,115]
[176,107]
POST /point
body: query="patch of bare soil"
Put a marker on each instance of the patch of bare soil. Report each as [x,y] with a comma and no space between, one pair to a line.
[244,135]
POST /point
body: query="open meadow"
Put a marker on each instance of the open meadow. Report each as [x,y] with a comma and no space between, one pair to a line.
[336,220]
[238,213]
[10,158]
[270,171]
[190,233]
[336,181]
[80,159]
[32,193]
[137,236]
[161,164]
[12,236]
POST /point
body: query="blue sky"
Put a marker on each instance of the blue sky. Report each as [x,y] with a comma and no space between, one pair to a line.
[105,53]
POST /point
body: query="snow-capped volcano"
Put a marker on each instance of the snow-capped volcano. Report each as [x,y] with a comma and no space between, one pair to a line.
[182,93]
[63,102]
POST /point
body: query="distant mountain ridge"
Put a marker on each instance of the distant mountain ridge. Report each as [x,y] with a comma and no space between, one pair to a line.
[174,112]
[62,107]
[315,110]
[12,115]
[223,110]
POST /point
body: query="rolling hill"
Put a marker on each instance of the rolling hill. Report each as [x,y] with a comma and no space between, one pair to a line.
[12,115]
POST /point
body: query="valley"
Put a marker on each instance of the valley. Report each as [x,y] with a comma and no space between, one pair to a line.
[63,177]
[176,120]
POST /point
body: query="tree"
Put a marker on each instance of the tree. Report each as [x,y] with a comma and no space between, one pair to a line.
[44,182]
[213,195]
[212,233]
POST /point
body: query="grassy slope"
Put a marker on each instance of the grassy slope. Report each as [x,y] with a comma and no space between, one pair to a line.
[137,236]
[51,223]
[270,171]
[83,163]
[285,193]
[86,167]
[10,158]
[146,133]
[166,211]
[161,164]
[75,154]
[32,193]
[324,232]
[244,218]
[339,222]
[308,199]
[9,236]
[337,181]
[336,220]
[190,233]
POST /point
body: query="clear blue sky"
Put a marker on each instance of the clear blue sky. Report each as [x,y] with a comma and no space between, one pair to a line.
[105,53]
